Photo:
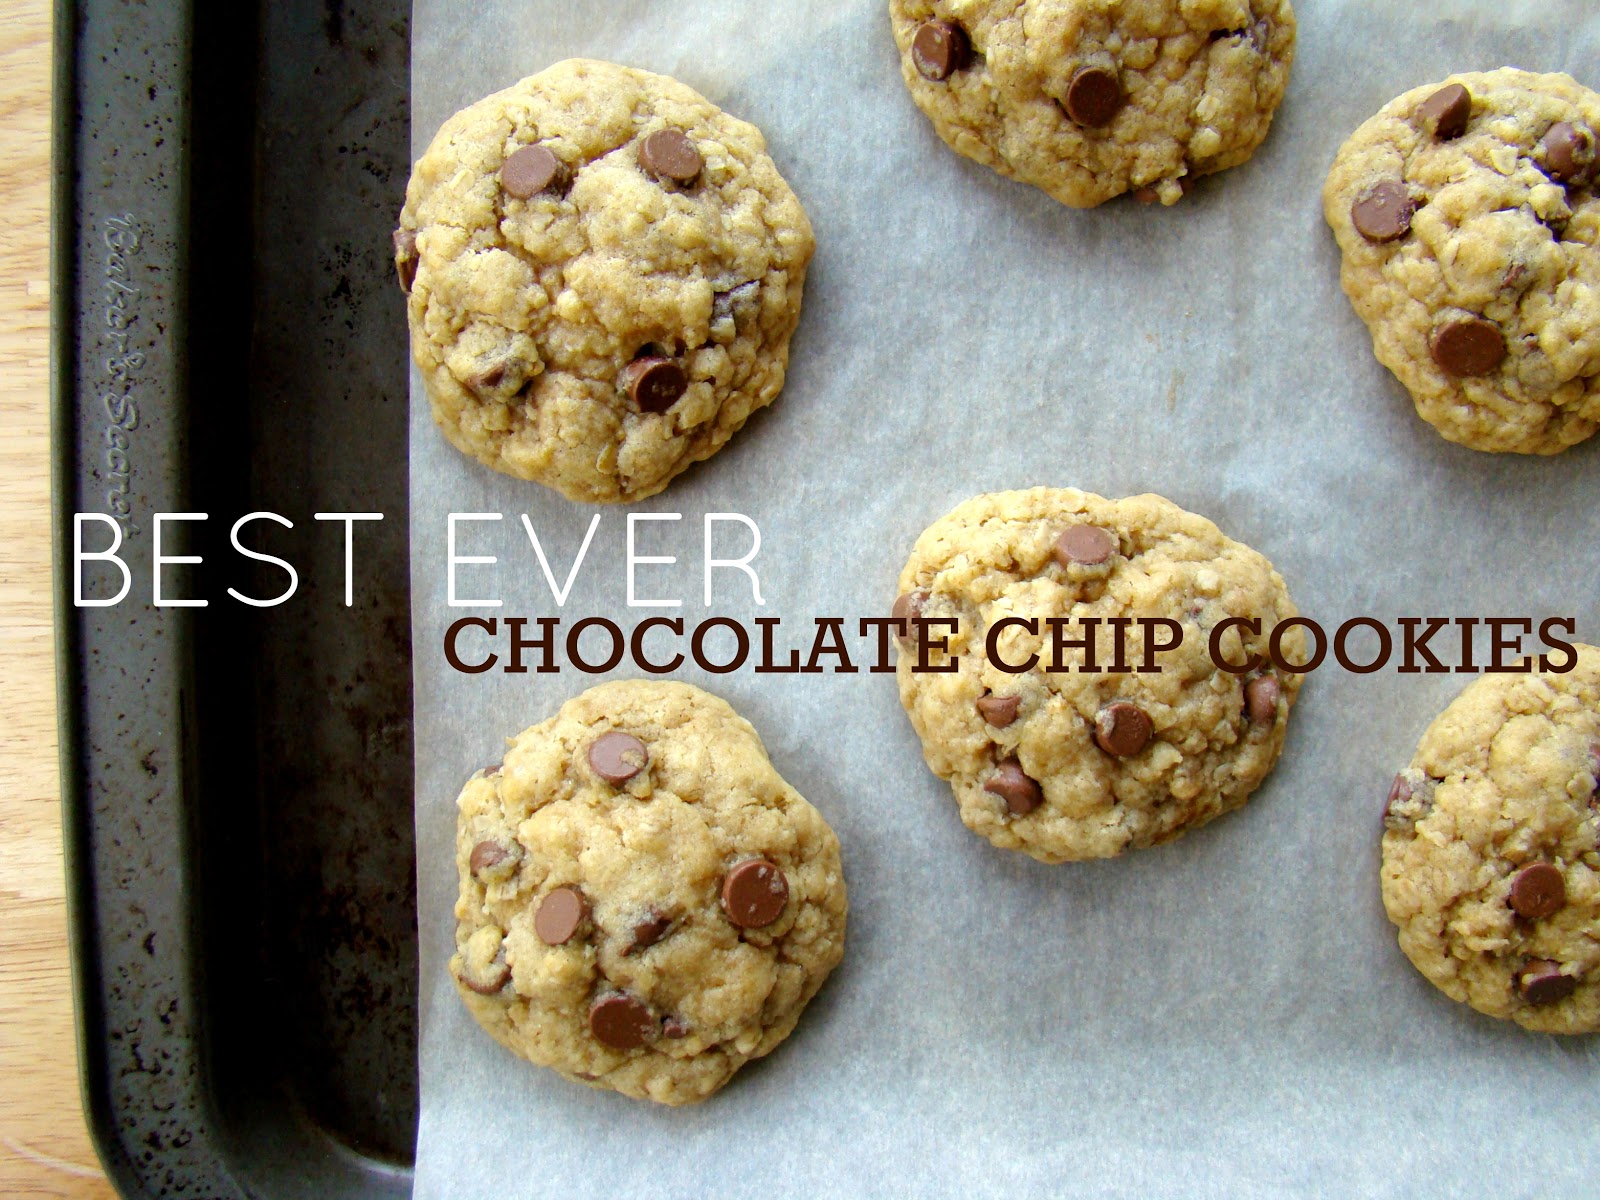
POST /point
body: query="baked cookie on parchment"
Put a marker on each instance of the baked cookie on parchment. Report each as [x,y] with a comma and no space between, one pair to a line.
[603,273]
[1490,864]
[1088,99]
[645,904]
[1074,765]
[1468,218]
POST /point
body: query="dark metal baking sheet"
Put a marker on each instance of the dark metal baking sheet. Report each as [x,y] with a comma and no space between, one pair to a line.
[237,782]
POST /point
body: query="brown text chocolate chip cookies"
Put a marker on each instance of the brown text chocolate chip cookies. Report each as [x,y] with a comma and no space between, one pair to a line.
[1468,219]
[645,904]
[604,271]
[1088,99]
[1072,764]
[1490,864]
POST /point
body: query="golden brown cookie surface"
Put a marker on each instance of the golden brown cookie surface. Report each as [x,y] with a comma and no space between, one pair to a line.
[1088,99]
[1490,865]
[1069,764]
[645,904]
[1469,222]
[604,271]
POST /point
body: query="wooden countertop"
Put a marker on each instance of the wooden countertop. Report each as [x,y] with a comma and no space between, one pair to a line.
[44,1148]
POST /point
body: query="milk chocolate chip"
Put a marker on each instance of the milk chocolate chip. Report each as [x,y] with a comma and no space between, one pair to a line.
[487,855]
[1568,152]
[405,258]
[1446,112]
[999,711]
[617,757]
[1021,794]
[1468,346]
[939,49]
[1122,729]
[531,170]
[1538,890]
[648,930]
[754,893]
[495,977]
[1093,97]
[1085,546]
[560,915]
[1383,212]
[621,1021]
[908,608]
[654,384]
[1541,982]
[1261,699]
[669,154]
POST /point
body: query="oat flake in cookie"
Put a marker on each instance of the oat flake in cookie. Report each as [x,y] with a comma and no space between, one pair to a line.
[1074,765]
[1468,218]
[645,904]
[1088,99]
[603,273]
[1490,864]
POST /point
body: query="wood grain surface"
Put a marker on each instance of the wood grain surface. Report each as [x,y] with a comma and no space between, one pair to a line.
[44,1148]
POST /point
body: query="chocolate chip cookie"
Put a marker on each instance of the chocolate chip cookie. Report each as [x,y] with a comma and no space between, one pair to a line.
[645,904]
[603,273]
[1490,863]
[1066,755]
[1468,218]
[1088,100]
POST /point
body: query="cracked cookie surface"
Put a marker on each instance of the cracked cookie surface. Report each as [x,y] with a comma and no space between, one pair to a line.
[1468,219]
[1067,765]
[645,904]
[604,271]
[1490,866]
[1088,99]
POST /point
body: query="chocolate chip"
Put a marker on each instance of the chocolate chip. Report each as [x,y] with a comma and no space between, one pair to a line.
[1410,799]
[621,1021]
[648,930]
[754,893]
[908,608]
[490,854]
[1538,890]
[1383,212]
[1093,97]
[492,770]
[674,1028]
[669,154]
[489,378]
[1021,794]
[1085,546]
[654,384]
[939,49]
[999,711]
[1261,699]
[1541,982]
[1468,346]
[499,974]
[560,915]
[1446,112]
[725,305]
[1399,794]
[617,757]
[1122,729]
[1150,193]
[1568,152]
[531,170]
[405,258]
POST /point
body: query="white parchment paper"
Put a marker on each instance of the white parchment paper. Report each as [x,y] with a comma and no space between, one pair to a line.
[1224,1016]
